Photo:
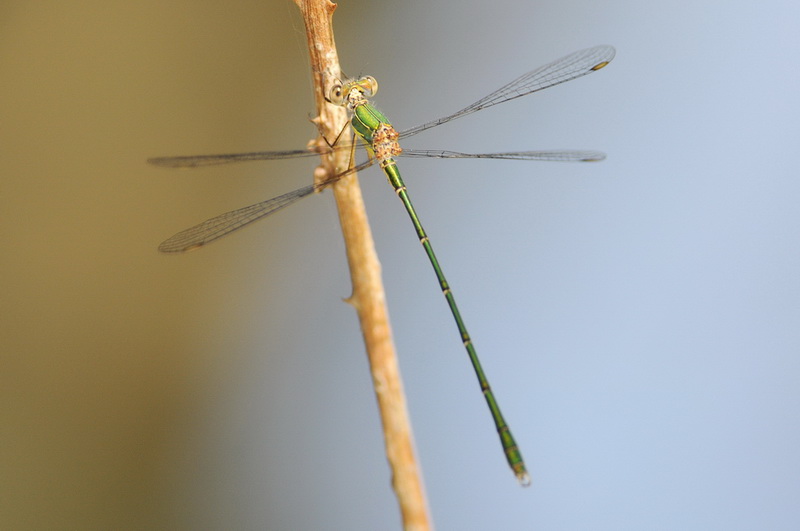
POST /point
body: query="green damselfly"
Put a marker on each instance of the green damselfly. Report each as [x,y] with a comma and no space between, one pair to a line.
[382,143]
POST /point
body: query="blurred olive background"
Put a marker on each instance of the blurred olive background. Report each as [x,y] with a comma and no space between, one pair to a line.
[638,318]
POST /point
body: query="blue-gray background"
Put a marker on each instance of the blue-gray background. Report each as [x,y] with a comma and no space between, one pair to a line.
[638,318]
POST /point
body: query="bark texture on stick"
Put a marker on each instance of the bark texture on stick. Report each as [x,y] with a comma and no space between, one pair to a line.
[368,295]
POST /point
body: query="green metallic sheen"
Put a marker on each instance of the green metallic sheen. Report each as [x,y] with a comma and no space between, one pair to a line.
[366,119]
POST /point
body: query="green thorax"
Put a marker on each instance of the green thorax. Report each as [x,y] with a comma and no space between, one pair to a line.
[366,119]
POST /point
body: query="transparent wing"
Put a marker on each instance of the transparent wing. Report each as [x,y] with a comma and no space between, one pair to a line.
[560,71]
[219,226]
[222,225]
[555,155]
[193,161]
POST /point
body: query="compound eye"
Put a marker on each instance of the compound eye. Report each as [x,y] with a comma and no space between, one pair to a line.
[370,85]
[336,95]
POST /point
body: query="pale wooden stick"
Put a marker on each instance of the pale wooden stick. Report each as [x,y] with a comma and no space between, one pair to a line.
[368,296]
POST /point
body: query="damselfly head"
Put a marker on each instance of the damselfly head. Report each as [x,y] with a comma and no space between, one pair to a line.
[340,93]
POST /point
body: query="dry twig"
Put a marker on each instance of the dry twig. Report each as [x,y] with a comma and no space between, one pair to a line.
[368,295]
